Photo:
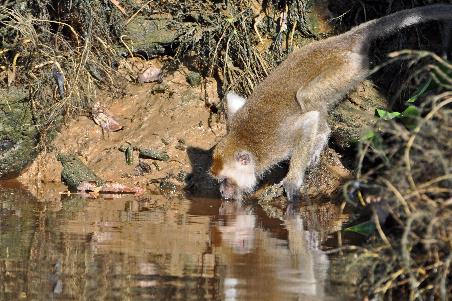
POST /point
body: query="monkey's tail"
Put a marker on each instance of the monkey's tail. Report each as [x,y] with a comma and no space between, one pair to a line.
[390,24]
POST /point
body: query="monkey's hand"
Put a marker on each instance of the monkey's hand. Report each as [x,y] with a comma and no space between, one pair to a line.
[277,190]
[292,192]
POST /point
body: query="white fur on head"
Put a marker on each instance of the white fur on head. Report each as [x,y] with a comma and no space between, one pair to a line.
[234,103]
[242,174]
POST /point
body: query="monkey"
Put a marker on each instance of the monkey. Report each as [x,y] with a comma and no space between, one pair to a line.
[285,116]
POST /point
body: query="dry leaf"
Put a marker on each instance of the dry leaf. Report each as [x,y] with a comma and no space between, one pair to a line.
[104,118]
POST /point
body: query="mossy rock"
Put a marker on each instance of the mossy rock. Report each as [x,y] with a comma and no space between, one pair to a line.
[154,37]
[75,171]
[18,135]
[355,114]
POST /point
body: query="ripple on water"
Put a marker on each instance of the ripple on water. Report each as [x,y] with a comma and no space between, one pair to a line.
[156,248]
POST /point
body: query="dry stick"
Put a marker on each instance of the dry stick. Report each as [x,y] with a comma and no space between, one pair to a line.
[360,161]
[353,248]
[438,81]
[216,49]
[121,38]
[106,46]
[427,190]
[420,54]
[226,59]
[60,23]
[388,282]
[443,282]
[398,195]
[257,20]
[417,130]
[262,62]
[137,12]
[444,76]
[447,203]
[379,229]
[119,7]
[12,75]
[406,259]
[428,234]
[292,32]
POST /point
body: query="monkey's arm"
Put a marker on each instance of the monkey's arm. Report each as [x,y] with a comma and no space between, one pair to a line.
[311,138]
[313,131]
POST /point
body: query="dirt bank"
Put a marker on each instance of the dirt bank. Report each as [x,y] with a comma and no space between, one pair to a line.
[165,117]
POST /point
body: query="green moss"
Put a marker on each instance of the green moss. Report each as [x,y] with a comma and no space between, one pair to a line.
[18,135]
[75,171]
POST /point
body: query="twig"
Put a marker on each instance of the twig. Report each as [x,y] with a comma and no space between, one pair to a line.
[137,12]
[119,7]
[448,99]
[398,195]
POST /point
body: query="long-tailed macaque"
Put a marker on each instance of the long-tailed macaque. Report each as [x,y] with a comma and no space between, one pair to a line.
[285,117]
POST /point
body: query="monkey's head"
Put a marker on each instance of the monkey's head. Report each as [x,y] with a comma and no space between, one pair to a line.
[234,170]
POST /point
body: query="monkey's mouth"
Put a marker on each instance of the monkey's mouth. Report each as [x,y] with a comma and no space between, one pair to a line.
[229,190]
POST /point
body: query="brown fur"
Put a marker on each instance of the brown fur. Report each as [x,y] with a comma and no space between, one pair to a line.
[273,125]
[274,101]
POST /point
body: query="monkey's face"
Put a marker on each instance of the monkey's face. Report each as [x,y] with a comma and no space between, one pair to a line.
[235,174]
[229,189]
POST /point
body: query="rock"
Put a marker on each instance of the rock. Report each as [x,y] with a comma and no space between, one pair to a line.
[152,154]
[322,183]
[151,74]
[75,171]
[160,88]
[18,135]
[154,37]
[194,79]
[355,114]
[168,187]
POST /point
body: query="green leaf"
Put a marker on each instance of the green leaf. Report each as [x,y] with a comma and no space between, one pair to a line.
[411,111]
[366,228]
[385,115]
[410,117]
[369,135]
[420,91]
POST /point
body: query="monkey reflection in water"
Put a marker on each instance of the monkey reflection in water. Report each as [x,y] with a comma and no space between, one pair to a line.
[266,264]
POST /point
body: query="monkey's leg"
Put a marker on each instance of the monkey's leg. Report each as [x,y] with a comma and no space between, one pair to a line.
[311,138]
[323,134]
[315,97]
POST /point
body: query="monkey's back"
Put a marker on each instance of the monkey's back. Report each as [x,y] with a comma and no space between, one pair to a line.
[266,124]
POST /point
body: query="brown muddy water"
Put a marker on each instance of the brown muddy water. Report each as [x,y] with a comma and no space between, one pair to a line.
[158,248]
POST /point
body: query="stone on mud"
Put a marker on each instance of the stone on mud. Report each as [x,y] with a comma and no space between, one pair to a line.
[194,79]
[75,171]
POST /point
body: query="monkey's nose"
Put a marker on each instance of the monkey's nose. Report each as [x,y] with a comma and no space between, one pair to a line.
[226,192]
[224,195]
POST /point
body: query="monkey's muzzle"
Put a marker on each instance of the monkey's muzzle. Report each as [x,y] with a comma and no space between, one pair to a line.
[228,189]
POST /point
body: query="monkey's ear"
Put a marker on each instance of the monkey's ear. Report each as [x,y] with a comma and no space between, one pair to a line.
[243,157]
[234,103]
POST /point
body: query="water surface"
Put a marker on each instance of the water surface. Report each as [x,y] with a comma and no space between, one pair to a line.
[159,248]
